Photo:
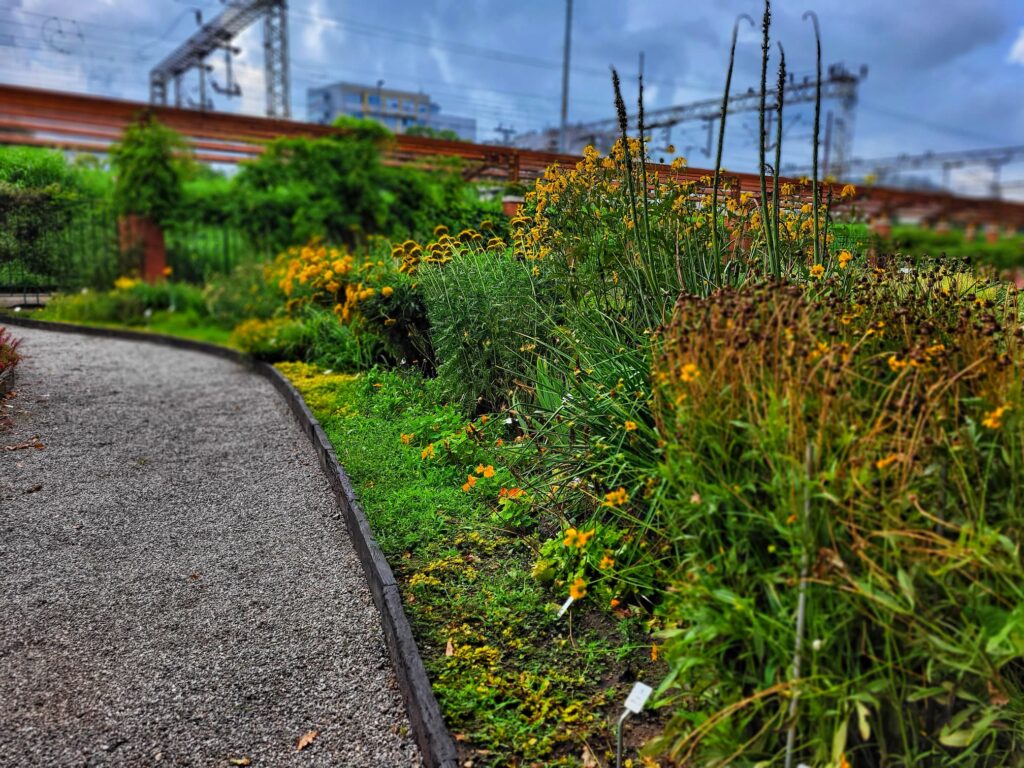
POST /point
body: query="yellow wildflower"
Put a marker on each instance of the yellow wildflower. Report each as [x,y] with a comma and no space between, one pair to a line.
[689,372]
[386,291]
[616,498]
[994,419]
[428,452]
[606,562]
[629,426]
[818,271]
[578,590]
[406,439]
[844,258]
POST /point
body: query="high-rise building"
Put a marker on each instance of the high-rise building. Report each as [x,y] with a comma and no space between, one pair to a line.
[397,110]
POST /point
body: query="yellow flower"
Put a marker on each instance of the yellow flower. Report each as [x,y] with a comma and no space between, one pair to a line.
[848,191]
[629,426]
[606,562]
[578,590]
[167,271]
[994,419]
[125,283]
[689,372]
[428,452]
[406,439]
[386,291]
[617,498]
[818,271]
[488,471]
[844,258]
[890,459]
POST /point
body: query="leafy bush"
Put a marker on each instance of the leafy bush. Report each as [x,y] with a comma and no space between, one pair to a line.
[132,302]
[337,188]
[9,356]
[149,162]
[478,306]
[247,292]
[922,243]
[273,340]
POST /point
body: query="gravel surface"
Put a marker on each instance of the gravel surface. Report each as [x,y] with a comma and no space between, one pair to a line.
[176,587]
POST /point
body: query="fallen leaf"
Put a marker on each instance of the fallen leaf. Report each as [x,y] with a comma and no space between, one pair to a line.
[195,576]
[450,648]
[589,761]
[240,761]
[34,488]
[22,446]
[306,740]
[997,697]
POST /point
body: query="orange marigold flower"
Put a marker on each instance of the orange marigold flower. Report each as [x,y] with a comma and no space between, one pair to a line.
[488,471]
[428,452]
[468,485]
[629,426]
[578,589]
[606,562]
[818,271]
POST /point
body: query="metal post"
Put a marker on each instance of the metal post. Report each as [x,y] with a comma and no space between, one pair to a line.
[562,138]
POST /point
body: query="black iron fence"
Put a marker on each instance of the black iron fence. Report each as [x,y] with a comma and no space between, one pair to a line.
[82,251]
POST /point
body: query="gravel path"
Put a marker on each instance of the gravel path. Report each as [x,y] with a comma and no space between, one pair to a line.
[176,587]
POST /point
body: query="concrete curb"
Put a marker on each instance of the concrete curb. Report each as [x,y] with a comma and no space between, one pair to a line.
[435,742]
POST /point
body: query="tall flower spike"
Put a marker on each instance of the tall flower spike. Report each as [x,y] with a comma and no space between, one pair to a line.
[766,24]
[716,253]
[817,131]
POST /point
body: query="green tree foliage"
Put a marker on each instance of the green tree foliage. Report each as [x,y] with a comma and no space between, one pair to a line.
[432,133]
[150,164]
[339,188]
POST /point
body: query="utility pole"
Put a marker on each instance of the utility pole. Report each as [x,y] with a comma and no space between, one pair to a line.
[565,79]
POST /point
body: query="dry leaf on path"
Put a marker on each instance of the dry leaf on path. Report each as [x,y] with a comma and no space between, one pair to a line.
[22,446]
[589,761]
[450,648]
[240,761]
[306,740]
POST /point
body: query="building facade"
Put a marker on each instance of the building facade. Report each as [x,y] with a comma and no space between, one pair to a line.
[397,110]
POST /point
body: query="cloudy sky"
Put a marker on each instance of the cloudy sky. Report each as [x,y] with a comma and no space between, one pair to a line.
[942,74]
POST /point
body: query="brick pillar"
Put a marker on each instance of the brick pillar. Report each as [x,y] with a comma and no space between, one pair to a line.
[141,237]
[510,204]
[881,225]
[991,232]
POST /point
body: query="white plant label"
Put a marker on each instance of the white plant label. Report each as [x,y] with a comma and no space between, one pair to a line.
[565,607]
[638,697]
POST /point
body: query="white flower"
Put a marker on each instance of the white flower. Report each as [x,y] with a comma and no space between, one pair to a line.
[816,645]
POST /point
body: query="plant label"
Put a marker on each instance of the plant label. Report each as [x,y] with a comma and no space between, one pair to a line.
[565,607]
[638,697]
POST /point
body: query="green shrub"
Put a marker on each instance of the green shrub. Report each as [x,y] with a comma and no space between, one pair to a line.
[273,340]
[246,293]
[338,346]
[132,303]
[481,323]
[150,163]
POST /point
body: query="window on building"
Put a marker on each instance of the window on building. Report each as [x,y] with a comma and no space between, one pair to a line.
[373,100]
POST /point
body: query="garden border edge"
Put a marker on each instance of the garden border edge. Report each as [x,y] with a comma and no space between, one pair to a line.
[436,745]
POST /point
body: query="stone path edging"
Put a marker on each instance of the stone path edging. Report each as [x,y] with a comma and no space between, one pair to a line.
[435,742]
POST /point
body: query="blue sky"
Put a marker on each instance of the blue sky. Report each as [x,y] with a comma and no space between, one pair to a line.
[943,74]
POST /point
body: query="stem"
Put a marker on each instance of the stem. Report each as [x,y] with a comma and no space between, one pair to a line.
[766,23]
[778,157]
[817,131]
[716,254]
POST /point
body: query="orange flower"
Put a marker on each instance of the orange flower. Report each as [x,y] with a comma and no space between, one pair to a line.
[617,498]
[510,493]
[428,452]
[606,562]
[629,426]
[406,439]
[578,589]
[468,485]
